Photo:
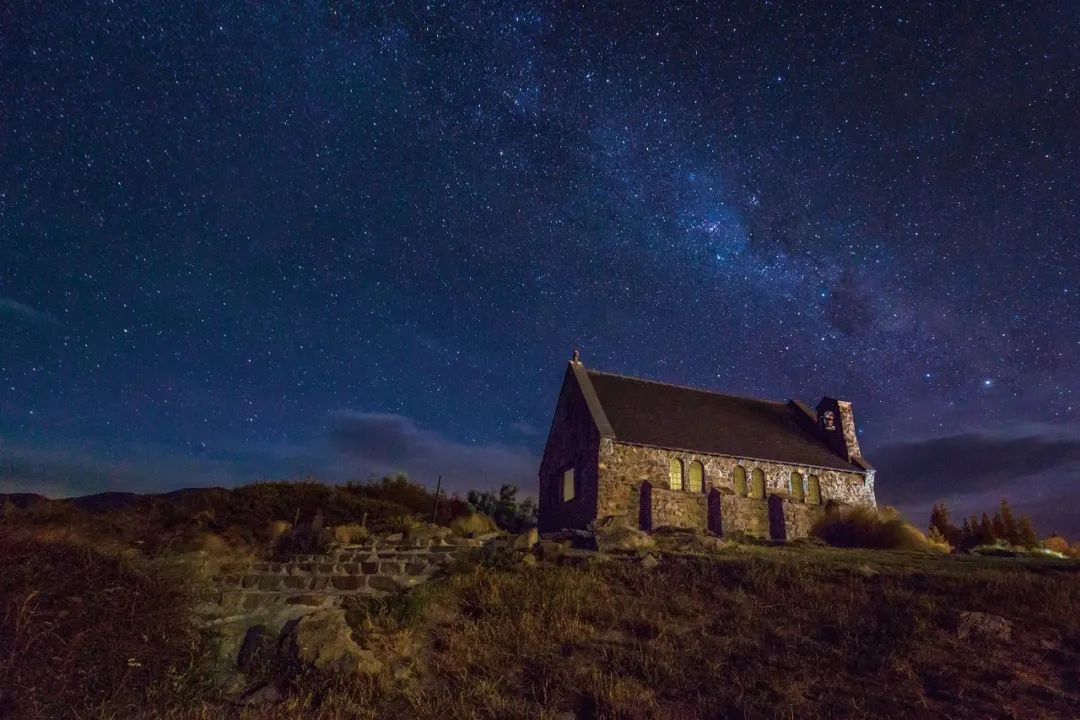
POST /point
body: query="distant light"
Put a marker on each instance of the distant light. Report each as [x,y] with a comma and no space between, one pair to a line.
[988,382]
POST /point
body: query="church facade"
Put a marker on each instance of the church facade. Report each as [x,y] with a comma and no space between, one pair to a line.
[664,455]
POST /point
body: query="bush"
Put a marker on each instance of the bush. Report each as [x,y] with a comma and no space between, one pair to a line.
[864,527]
[1057,543]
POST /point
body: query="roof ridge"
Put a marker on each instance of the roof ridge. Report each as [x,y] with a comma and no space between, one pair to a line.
[685,387]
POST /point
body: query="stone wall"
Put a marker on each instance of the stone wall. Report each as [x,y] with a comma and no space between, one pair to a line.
[623,467]
[375,568]
[744,515]
[572,442]
[671,508]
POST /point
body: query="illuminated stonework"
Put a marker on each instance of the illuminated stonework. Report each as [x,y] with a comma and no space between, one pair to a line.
[597,431]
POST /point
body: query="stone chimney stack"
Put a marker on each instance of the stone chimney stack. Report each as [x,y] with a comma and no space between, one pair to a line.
[837,424]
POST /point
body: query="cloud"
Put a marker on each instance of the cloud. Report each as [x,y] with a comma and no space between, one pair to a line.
[26,313]
[1036,473]
[934,469]
[379,443]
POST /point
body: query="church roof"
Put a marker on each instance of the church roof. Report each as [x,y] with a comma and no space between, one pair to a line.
[645,412]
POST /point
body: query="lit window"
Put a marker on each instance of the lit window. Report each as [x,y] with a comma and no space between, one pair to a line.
[798,492]
[740,481]
[568,485]
[675,478]
[696,477]
[757,483]
[813,492]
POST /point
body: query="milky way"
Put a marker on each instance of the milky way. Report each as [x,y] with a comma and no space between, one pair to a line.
[243,240]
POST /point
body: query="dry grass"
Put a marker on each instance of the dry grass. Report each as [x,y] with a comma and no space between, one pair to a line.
[876,529]
[85,633]
[754,632]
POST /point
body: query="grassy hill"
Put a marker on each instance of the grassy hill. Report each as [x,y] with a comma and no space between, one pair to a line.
[96,621]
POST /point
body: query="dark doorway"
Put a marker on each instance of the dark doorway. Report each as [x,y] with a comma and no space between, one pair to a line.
[645,506]
[715,525]
[777,529]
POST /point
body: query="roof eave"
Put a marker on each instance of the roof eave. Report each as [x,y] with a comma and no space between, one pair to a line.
[592,400]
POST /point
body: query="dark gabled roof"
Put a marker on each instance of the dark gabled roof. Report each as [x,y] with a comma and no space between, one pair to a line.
[644,412]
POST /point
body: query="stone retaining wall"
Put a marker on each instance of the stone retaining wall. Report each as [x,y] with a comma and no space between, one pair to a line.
[673,508]
[376,568]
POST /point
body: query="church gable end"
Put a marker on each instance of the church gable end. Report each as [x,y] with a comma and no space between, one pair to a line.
[568,469]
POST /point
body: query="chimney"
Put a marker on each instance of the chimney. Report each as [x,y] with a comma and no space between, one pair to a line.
[837,424]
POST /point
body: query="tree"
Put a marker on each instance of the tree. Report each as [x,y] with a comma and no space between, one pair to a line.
[1025,533]
[504,508]
[985,533]
[940,521]
[1008,523]
[997,525]
[967,534]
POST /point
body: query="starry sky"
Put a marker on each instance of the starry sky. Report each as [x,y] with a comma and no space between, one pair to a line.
[249,240]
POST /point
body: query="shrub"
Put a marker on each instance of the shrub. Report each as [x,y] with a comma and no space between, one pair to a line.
[865,527]
[1057,543]
[504,508]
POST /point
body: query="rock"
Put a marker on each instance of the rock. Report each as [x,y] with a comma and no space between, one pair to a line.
[472,525]
[866,571]
[526,540]
[616,534]
[984,625]
[550,550]
[490,536]
[396,537]
[528,560]
[426,532]
[267,694]
[324,641]
[649,562]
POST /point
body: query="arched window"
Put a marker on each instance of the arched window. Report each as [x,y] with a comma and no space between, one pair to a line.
[798,492]
[757,483]
[813,492]
[740,480]
[696,477]
[675,478]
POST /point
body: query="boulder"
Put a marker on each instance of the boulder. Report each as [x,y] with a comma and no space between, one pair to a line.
[614,534]
[550,550]
[324,641]
[983,625]
[473,525]
[526,540]
[268,694]
[426,532]
[649,562]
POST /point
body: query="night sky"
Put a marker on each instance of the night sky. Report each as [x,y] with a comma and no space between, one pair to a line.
[261,240]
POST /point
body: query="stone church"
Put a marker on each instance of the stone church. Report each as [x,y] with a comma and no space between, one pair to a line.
[664,455]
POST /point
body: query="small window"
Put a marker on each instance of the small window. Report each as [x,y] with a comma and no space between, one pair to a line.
[757,483]
[675,474]
[568,485]
[798,492]
[813,491]
[740,480]
[697,477]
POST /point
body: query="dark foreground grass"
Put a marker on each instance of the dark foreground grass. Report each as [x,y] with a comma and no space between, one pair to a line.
[759,632]
[92,634]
